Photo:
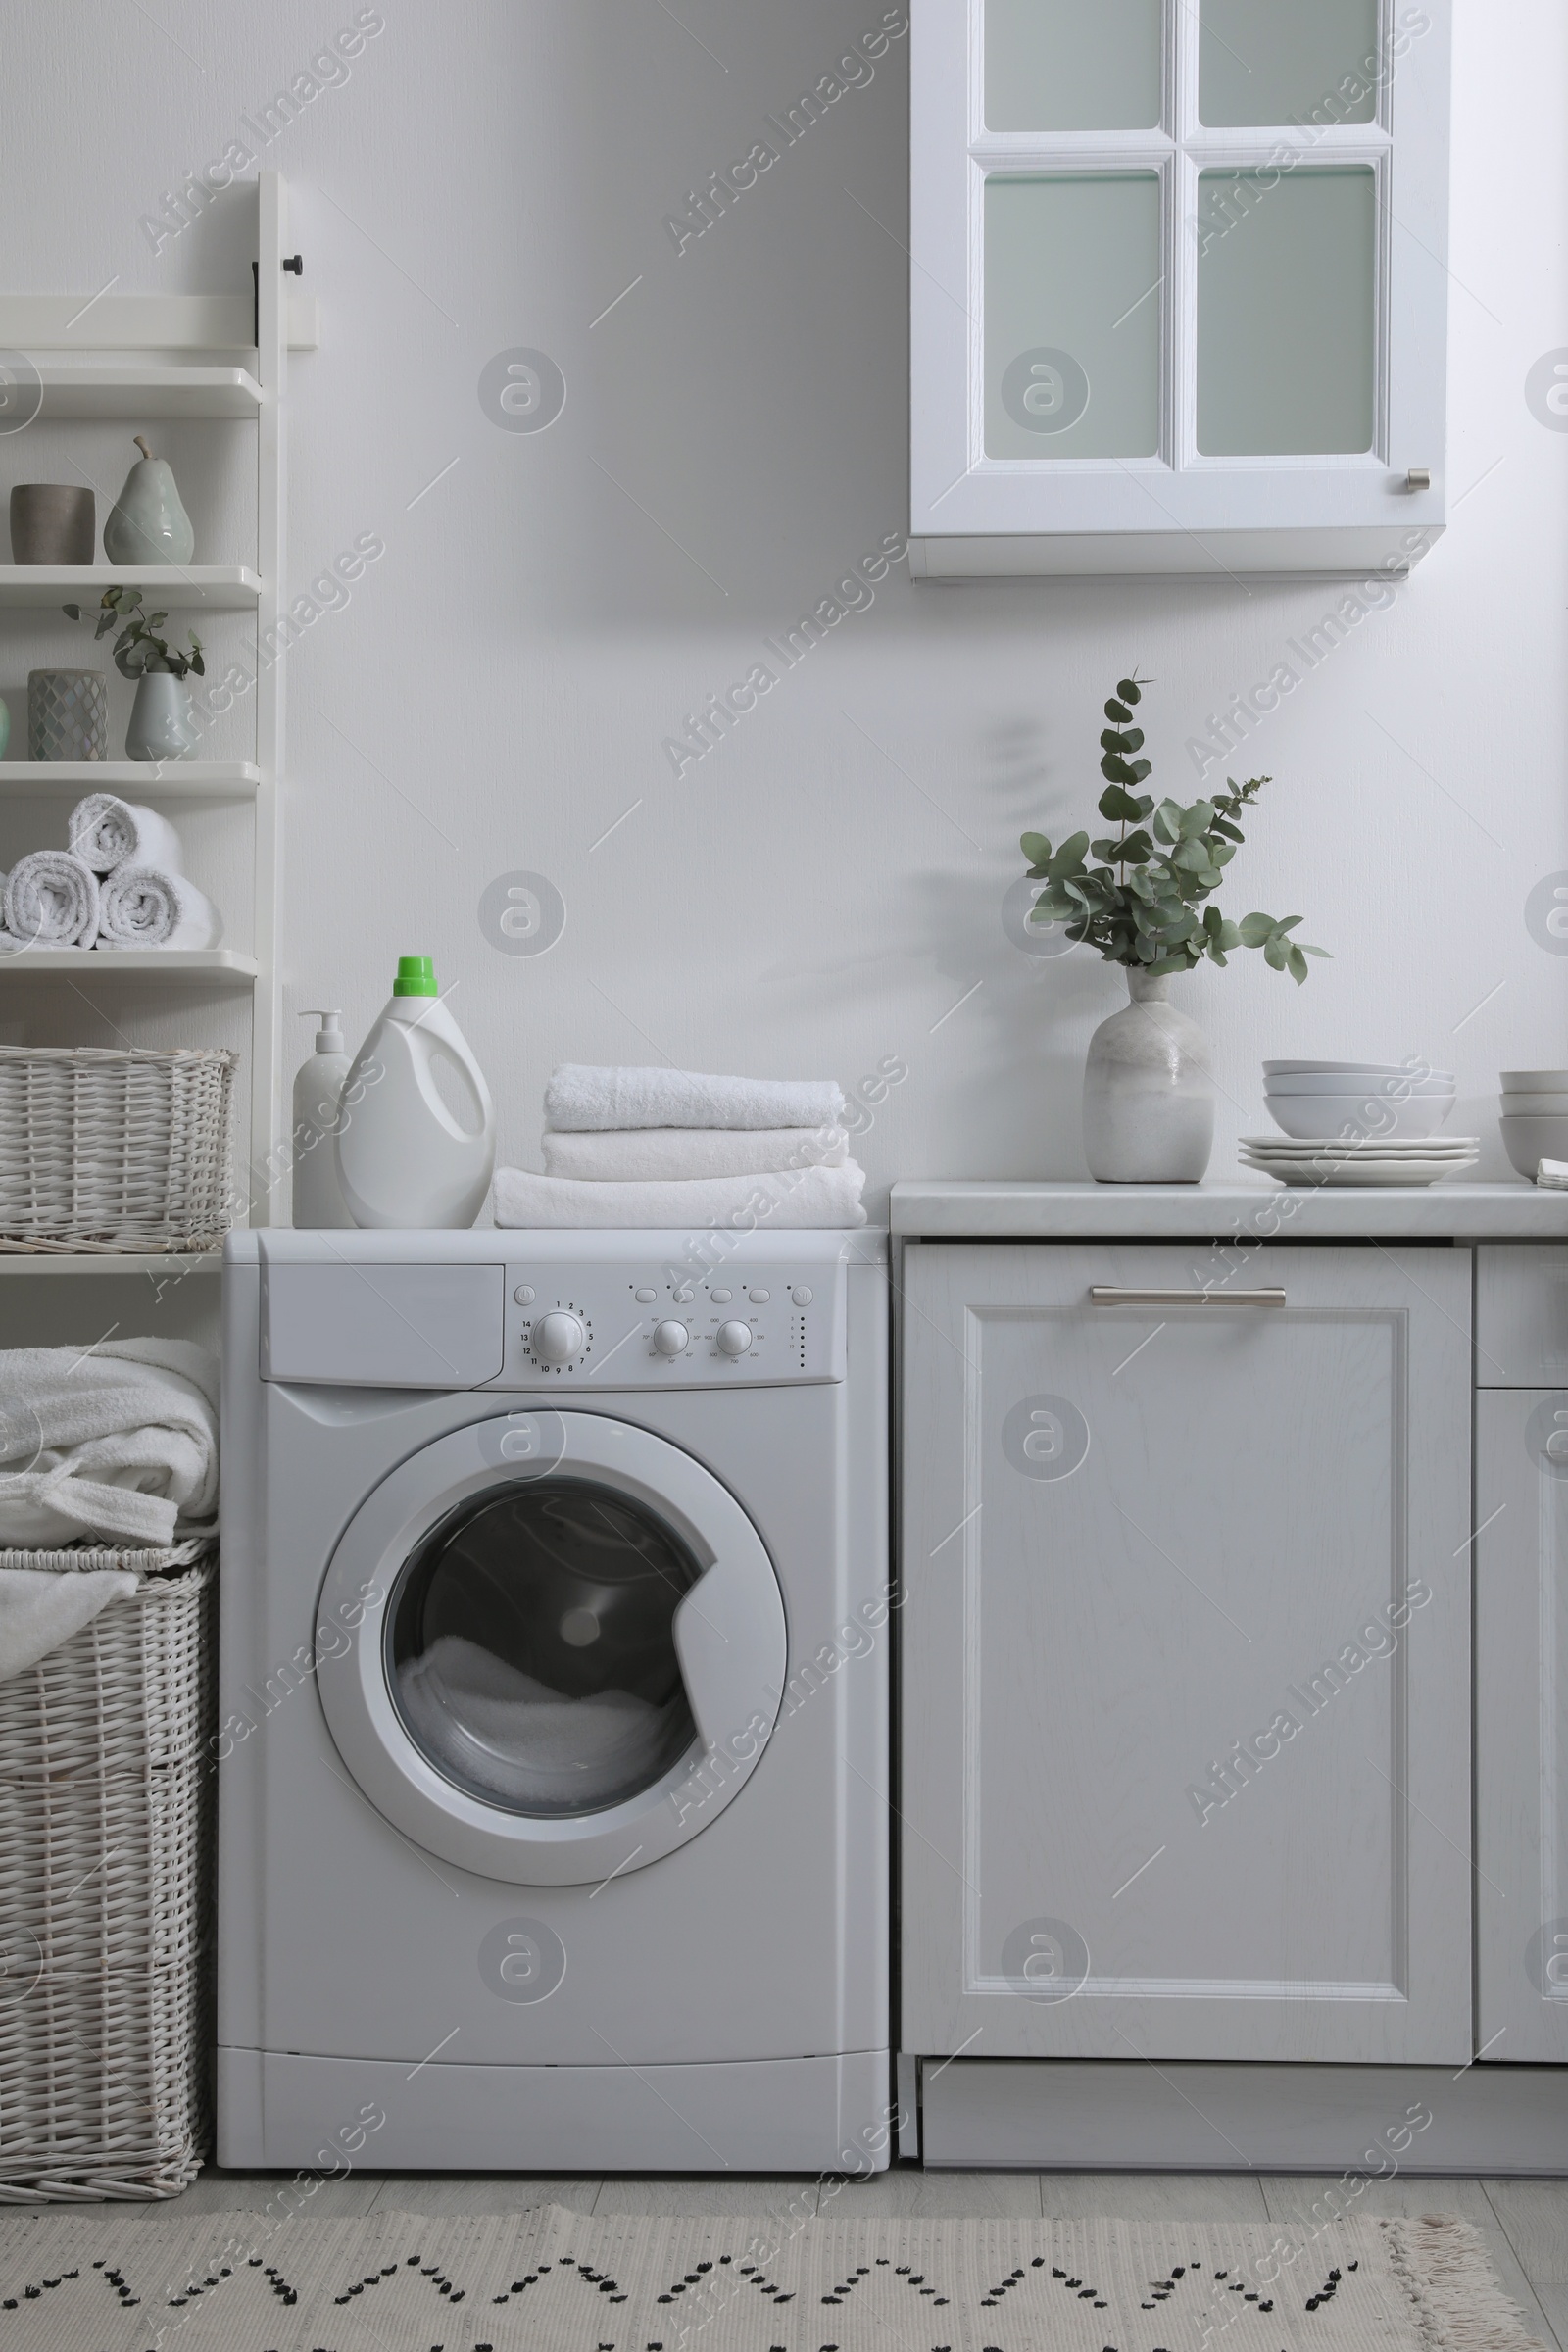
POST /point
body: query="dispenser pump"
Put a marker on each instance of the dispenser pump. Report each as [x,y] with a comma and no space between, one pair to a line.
[329,1036]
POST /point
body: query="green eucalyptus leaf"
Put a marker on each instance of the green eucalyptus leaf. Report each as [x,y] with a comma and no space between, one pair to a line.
[1297,964]
[1119,805]
[1135,850]
[1035,846]
[72,612]
[1070,856]
[1140,770]
[1128,689]
[1275,951]
[1253,929]
[1119,713]
[1115,767]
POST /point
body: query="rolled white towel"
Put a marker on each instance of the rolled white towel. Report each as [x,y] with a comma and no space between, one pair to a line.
[52,900]
[642,1154]
[762,1202]
[107,832]
[145,907]
[585,1098]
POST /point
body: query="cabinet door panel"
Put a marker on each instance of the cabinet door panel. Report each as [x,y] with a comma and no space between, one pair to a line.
[1186,1645]
[1522,1724]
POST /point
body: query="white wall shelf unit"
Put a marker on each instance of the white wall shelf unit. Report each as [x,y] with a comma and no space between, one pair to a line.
[102,393]
[137,357]
[189,588]
[132,780]
[1179,293]
[130,963]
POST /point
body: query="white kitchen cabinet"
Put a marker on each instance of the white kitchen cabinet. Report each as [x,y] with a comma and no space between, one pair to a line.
[1186,1653]
[1179,293]
[1522,1657]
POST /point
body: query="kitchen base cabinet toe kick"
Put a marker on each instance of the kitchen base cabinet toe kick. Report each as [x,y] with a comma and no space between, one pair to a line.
[1211,1803]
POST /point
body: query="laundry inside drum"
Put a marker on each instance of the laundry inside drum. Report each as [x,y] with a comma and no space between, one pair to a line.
[532,1650]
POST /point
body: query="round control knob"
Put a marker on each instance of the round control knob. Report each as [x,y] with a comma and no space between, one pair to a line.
[558,1337]
[734,1339]
[671,1339]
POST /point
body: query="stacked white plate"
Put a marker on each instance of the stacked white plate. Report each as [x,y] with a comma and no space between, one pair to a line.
[1535,1117]
[1407,1160]
[1358,1123]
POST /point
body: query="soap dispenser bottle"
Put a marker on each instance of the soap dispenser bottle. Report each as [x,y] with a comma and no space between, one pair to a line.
[405,1156]
[319,1202]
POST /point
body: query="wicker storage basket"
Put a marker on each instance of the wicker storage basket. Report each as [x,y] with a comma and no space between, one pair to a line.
[105,1792]
[115,1150]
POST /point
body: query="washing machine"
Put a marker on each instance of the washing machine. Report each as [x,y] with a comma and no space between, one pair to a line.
[553,1745]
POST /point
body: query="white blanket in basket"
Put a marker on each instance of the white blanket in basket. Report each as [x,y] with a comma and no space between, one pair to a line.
[118,1439]
[41,1607]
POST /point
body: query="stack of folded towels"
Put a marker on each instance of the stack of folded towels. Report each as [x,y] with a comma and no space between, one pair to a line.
[678,1149]
[119,885]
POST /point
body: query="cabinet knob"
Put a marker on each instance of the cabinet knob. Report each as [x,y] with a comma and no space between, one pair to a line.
[1419,477]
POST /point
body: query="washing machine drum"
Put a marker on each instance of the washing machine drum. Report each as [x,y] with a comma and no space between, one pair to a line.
[557,1621]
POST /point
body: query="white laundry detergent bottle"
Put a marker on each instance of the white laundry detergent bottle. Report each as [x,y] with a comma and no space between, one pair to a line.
[403,1156]
[319,1202]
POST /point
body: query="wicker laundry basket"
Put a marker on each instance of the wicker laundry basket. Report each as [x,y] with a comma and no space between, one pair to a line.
[115,1149]
[105,1802]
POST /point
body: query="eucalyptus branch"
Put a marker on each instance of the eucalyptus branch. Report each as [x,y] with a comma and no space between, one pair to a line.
[1138,905]
[138,650]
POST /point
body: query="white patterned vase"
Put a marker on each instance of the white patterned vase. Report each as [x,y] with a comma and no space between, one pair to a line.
[68,714]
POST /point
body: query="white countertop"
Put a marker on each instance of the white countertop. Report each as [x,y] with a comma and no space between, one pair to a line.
[1023,1208]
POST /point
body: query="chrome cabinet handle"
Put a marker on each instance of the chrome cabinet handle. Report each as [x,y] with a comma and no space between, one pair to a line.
[1105,1294]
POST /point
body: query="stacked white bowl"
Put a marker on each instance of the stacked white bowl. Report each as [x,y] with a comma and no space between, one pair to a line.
[1352,1100]
[1535,1117]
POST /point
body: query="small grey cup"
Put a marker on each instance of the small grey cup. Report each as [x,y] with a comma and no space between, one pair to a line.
[68,714]
[53,522]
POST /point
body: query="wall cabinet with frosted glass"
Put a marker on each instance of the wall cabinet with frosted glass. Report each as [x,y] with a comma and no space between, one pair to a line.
[1179,295]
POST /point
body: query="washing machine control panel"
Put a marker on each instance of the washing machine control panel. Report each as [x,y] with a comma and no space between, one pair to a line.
[664,1326]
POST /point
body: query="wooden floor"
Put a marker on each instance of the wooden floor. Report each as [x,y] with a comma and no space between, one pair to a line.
[1525,2222]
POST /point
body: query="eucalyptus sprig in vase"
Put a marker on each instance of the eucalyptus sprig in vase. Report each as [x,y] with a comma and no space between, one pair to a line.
[1138,898]
[161,724]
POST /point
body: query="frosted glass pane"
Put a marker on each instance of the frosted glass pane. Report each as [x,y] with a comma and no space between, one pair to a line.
[1286,324]
[1072,308]
[1072,65]
[1287,61]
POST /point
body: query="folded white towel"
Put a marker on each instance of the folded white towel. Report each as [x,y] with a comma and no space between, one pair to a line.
[805,1196]
[1552,1175]
[643,1154]
[106,831]
[583,1098]
[39,1608]
[147,907]
[52,900]
[120,1438]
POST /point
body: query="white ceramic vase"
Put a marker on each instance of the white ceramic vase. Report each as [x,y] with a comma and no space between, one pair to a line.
[1148,1096]
[161,724]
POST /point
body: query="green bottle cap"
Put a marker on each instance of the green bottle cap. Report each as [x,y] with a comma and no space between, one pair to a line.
[415,977]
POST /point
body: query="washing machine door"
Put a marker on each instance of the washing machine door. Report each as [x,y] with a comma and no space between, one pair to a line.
[536,1632]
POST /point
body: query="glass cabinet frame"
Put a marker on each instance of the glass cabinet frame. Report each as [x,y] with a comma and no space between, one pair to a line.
[1177,509]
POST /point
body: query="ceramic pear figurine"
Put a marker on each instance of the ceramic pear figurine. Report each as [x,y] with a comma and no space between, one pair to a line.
[147,523]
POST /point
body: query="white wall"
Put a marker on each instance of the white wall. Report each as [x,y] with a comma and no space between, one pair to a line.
[820,890]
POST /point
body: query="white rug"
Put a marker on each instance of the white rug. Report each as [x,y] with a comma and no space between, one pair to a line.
[555,2281]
